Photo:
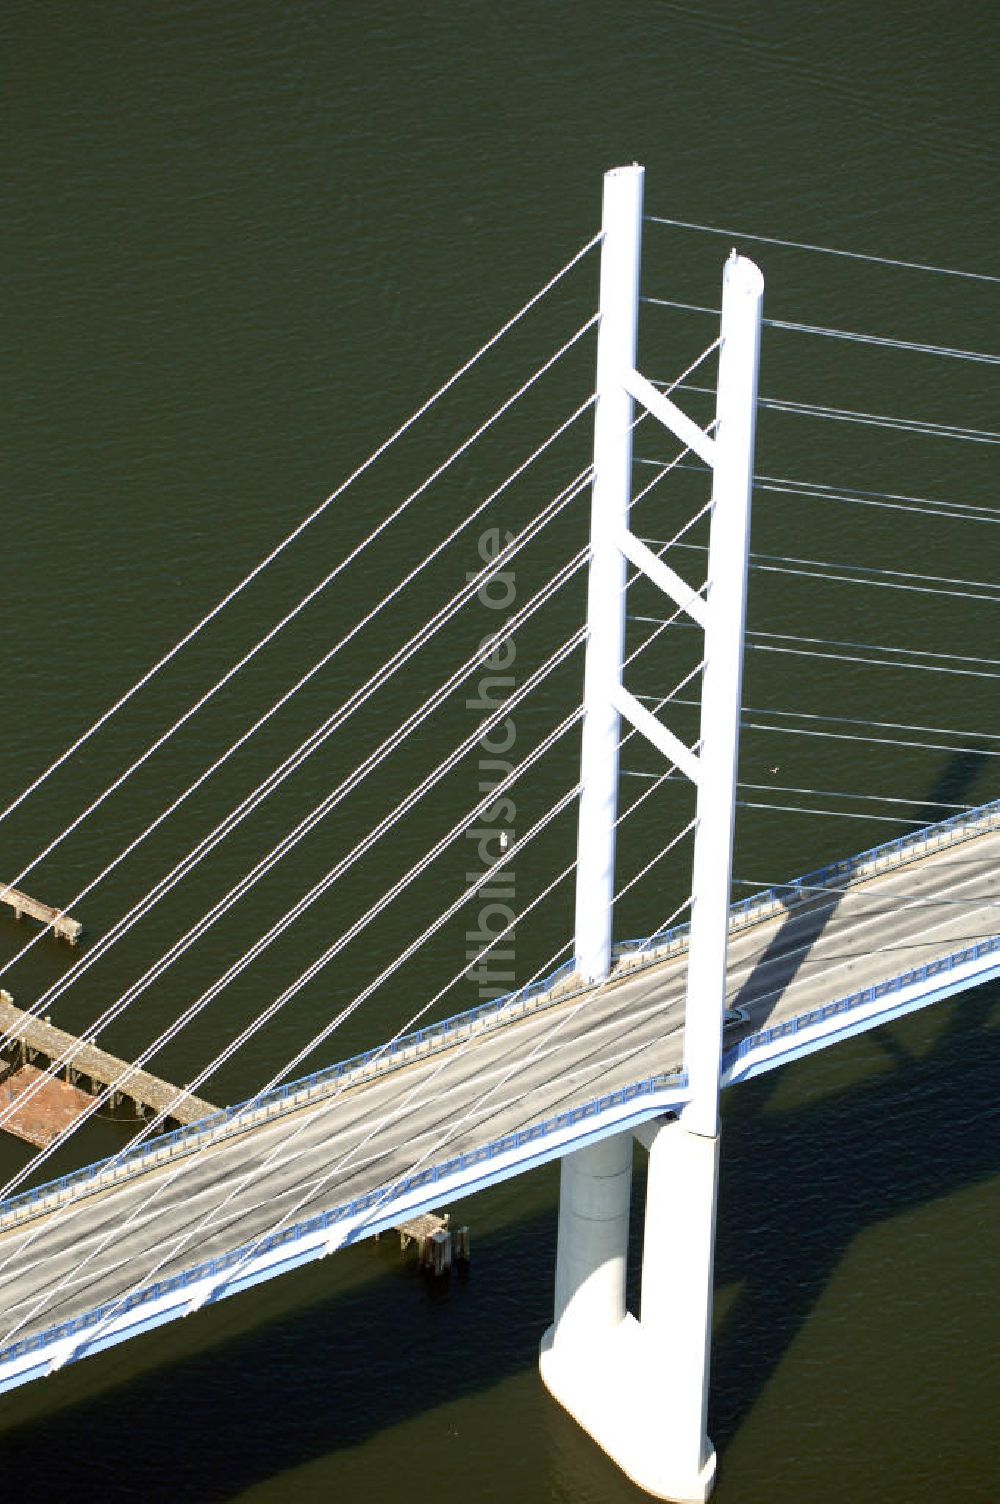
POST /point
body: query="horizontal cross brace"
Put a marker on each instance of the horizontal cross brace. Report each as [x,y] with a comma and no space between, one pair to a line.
[654,731]
[671,416]
[665,578]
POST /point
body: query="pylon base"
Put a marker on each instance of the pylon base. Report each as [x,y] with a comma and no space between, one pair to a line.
[626,1397]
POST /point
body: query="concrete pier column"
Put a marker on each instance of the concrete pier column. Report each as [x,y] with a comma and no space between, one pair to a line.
[595,1194]
[640,1388]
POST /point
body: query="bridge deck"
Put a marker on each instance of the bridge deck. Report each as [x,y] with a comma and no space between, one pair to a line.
[431,1109]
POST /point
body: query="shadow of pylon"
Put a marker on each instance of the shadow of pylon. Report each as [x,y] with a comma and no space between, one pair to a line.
[811,1181]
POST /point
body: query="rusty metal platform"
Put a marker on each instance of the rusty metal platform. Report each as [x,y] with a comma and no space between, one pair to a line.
[29,1041]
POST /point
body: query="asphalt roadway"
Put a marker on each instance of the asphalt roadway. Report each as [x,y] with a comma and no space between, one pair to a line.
[104,1245]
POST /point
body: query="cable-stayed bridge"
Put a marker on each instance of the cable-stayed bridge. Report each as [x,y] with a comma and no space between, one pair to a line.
[477,1099]
[621,1038]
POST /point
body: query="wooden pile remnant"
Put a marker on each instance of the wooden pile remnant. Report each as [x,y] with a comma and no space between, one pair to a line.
[437,1242]
[62,924]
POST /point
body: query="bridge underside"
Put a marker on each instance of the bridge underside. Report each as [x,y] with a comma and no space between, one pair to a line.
[110,1256]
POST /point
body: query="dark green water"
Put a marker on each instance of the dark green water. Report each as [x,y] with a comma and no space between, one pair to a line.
[245,242]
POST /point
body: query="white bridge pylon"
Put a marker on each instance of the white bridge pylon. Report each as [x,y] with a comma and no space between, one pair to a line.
[641,1387]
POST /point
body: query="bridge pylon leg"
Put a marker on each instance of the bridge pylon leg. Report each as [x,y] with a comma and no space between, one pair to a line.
[641,1387]
[638,1387]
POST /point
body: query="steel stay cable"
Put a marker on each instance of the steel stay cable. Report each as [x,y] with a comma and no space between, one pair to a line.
[287,842]
[283,699]
[298,832]
[661,475]
[958,514]
[154,972]
[889,342]
[848,579]
[317,1185]
[186,1162]
[842,814]
[875,569]
[313,1044]
[544,894]
[634,654]
[563,803]
[928,668]
[324,1034]
[784,788]
[284,923]
[851,720]
[554,883]
[819,489]
[866,569]
[320,1110]
[315,739]
[962,511]
[95,955]
[688,370]
[920,347]
[870,647]
[305,523]
[319,1039]
[310,595]
[922,426]
[274,1007]
[878,647]
[881,741]
[824,250]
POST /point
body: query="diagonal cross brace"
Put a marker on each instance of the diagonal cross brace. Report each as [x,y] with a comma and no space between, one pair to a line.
[667,579]
[671,416]
[647,724]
